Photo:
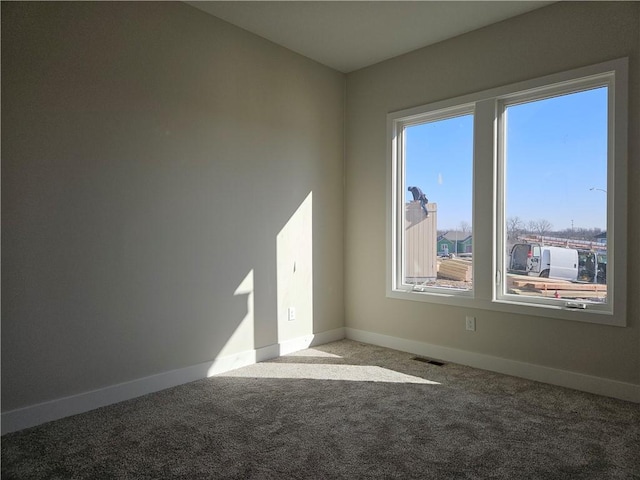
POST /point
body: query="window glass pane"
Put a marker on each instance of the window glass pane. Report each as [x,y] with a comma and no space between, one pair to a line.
[556,197]
[438,245]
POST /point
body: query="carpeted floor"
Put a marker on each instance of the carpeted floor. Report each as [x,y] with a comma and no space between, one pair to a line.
[344,410]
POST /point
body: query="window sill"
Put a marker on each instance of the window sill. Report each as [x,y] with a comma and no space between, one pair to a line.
[468,301]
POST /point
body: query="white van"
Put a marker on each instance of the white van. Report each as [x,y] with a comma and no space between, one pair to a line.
[541,261]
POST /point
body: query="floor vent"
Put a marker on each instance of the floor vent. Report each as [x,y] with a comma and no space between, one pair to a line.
[429,361]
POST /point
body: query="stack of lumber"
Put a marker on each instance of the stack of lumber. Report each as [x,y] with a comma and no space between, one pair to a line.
[550,287]
[455,269]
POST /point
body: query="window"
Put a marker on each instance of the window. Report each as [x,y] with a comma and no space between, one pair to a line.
[437,184]
[554,164]
[514,199]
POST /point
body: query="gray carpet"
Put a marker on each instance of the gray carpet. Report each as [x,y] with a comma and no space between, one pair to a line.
[341,410]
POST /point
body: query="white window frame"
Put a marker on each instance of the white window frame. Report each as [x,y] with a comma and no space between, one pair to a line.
[488,216]
[399,144]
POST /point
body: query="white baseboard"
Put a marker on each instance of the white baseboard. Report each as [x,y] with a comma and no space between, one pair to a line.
[300,343]
[553,376]
[33,415]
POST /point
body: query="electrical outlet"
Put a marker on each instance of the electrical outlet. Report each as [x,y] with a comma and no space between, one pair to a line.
[471,324]
[291,314]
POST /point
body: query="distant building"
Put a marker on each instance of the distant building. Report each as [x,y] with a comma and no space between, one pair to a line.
[455,242]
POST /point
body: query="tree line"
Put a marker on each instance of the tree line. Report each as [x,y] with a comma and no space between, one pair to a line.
[516,227]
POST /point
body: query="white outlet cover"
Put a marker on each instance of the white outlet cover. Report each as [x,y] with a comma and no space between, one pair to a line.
[471,323]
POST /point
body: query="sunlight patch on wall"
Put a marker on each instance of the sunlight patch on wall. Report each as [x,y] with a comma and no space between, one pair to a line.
[294,250]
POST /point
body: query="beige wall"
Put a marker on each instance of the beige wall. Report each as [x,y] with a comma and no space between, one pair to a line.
[151,156]
[555,38]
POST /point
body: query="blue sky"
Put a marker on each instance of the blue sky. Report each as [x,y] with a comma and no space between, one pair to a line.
[556,152]
[439,160]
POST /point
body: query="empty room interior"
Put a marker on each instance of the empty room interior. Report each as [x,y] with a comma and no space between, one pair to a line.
[190,189]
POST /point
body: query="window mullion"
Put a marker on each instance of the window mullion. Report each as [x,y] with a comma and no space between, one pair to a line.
[483,199]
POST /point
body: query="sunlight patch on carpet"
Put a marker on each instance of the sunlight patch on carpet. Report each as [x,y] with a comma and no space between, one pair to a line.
[312,352]
[355,373]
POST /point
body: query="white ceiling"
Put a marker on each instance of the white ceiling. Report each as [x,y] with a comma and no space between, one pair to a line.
[348,35]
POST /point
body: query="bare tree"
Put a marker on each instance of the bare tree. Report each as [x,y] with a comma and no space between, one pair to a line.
[542,226]
[514,226]
[465,228]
